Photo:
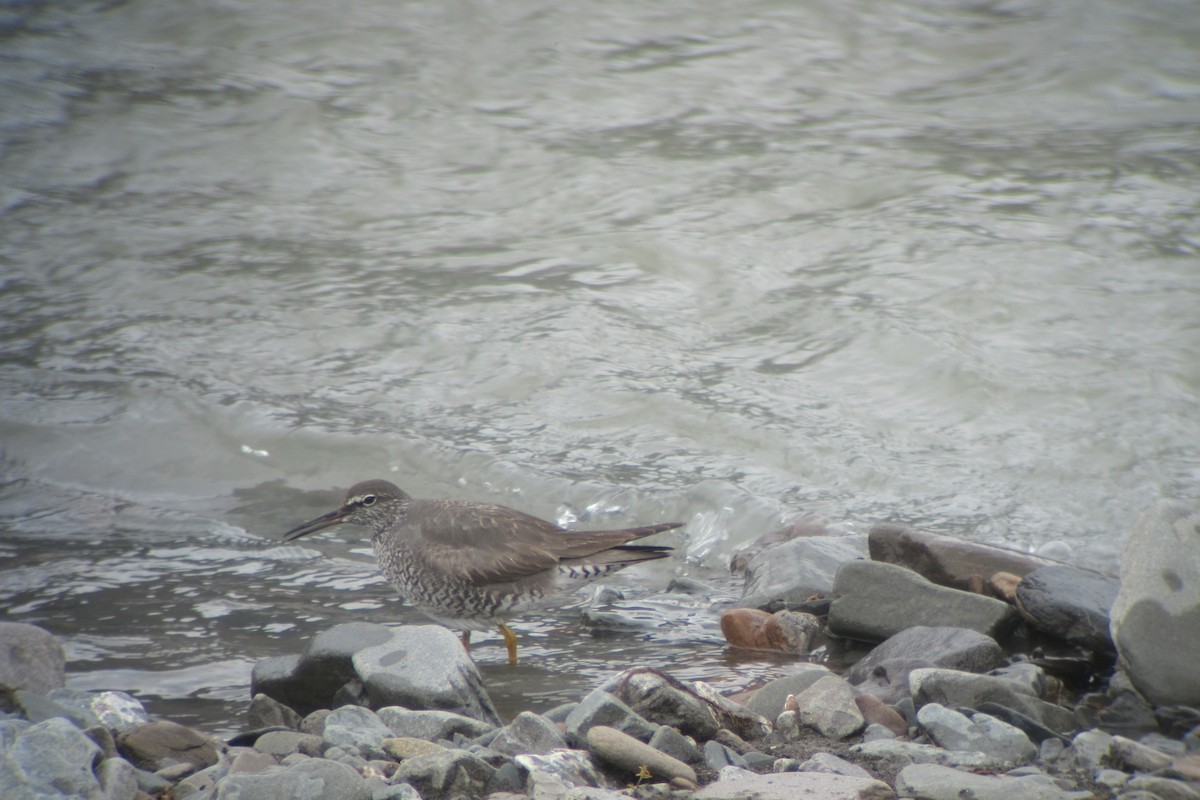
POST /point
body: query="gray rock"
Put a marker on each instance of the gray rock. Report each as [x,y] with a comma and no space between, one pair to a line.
[267,712]
[1156,616]
[675,744]
[949,648]
[791,785]
[52,758]
[118,779]
[965,690]
[769,699]
[828,707]
[718,756]
[1070,603]
[283,743]
[905,752]
[445,774]
[30,658]
[424,667]
[1161,788]
[933,782]
[432,726]
[657,697]
[863,588]
[875,732]
[945,560]
[830,764]
[733,716]
[979,733]
[357,728]
[786,575]
[395,791]
[1024,676]
[563,773]
[311,779]
[1089,751]
[601,708]
[39,708]
[631,755]
[528,733]
[1034,730]
[160,744]
[1134,756]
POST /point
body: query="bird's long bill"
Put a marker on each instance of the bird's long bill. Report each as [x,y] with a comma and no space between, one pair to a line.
[314,525]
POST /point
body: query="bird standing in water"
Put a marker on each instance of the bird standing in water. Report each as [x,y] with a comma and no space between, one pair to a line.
[473,566]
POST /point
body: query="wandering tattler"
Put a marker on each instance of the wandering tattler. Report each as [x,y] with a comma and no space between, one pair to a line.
[474,565]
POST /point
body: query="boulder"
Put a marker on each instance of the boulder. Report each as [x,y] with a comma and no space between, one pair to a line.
[1156,616]
[788,574]
[1070,603]
[884,671]
[828,707]
[965,690]
[30,659]
[162,743]
[660,698]
[784,631]
[874,601]
[945,560]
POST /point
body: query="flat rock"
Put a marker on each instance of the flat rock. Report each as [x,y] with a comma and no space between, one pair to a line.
[601,708]
[768,700]
[874,601]
[30,658]
[964,690]
[1156,616]
[423,667]
[163,743]
[945,560]
[1070,603]
[832,765]
[961,649]
[792,785]
[933,782]
[829,708]
[432,725]
[905,752]
[628,754]
[788,574]
[978,733]
[310,779]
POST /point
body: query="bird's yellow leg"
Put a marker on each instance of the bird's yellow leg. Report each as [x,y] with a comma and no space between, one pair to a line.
[510,640]
[466,640]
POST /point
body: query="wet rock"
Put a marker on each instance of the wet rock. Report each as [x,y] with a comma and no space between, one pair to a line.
[357,729]
[768,700]
[791,785]
[805,527]
[528,733]
[949,648]
[657,697]
[163,743]
[1157,611]
[284,743]
[1160,788]
[863,588]
[828,707]
[30,658]
[675,744]
[963,689]
[830,764]
[979,733]
[266,712]
[718,756]
[555,774]
[446,773]
[49,758]
[424,667]
[784,631]
[630,755]
[601,708]
[311,680]
[945,560]
[788,574]
[1070,603]
[933,782]
[311,779]
[431,725]
[876,712]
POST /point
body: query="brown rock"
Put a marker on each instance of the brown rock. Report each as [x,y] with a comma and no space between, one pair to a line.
[945,560]
[743,627]
[783,631]
[160,744]
[402,747]
[1004,586]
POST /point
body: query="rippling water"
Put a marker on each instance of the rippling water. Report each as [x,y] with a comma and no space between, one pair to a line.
[933,262]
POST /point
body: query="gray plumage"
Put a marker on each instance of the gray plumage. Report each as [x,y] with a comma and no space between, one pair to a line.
[473,566]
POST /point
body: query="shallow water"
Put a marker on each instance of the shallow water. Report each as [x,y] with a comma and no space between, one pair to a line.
[927,262]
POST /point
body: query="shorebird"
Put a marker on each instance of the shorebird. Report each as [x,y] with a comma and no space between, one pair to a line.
[473,566]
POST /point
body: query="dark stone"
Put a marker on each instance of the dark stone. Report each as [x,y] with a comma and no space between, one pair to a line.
[1036,731]
[950,648]
[945,560]
[267,712]
[717,755]
[1070,603]
[601,708]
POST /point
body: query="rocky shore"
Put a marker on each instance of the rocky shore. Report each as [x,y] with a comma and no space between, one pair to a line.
[985,673]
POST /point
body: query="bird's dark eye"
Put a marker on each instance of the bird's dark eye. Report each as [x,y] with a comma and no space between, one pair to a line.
[369,500]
